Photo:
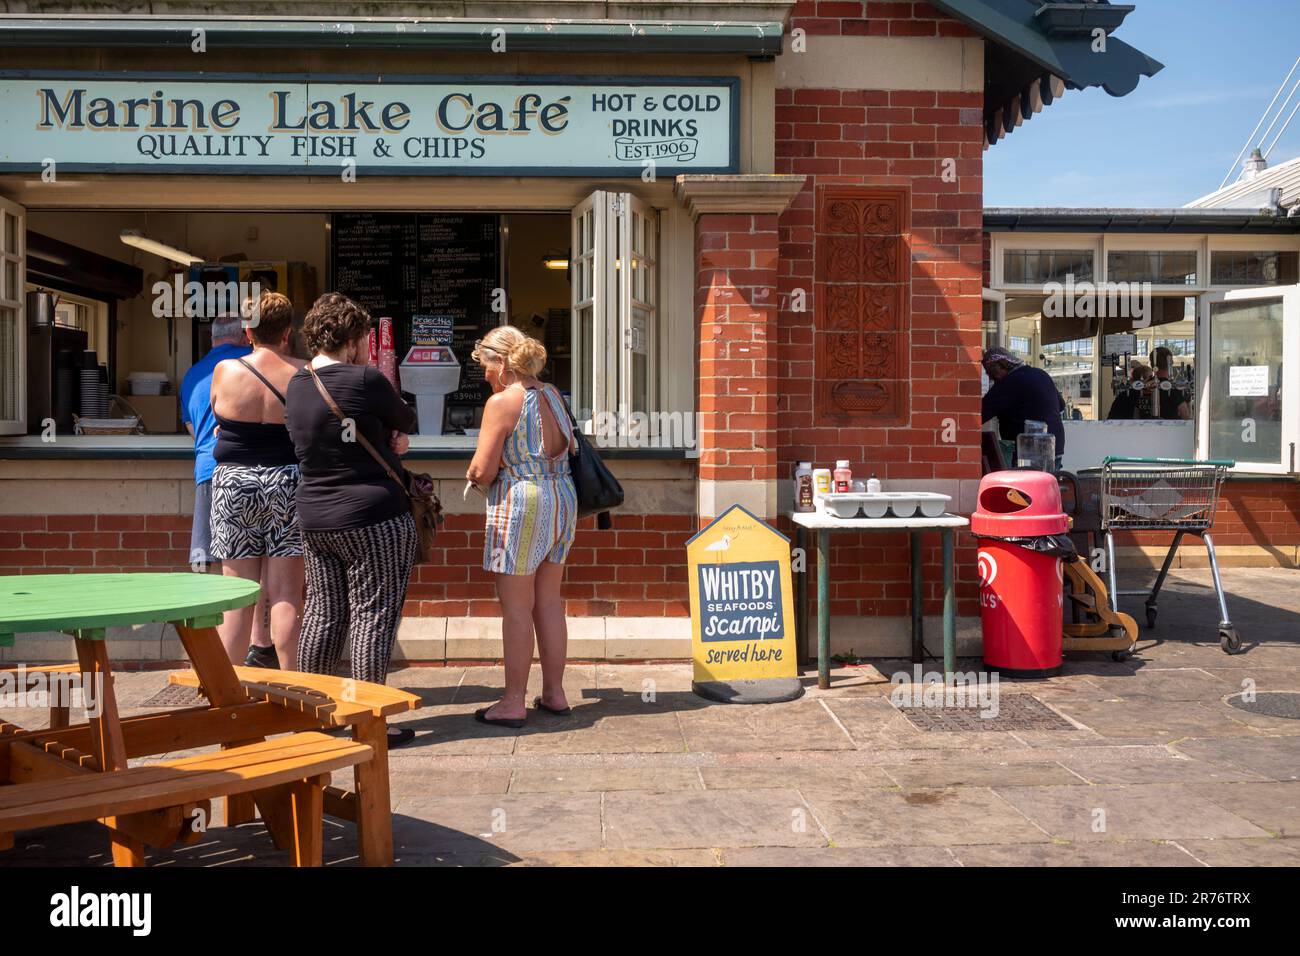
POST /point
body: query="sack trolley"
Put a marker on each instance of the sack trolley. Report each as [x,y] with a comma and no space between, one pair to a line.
[1155,494]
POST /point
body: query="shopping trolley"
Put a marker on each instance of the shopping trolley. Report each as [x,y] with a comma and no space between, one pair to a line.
[1155,494]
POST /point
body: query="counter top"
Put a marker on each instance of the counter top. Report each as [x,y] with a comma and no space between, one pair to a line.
[181,447]
[818,521]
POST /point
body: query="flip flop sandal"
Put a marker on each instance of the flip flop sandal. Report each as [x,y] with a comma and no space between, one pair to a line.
[564,712]
[512,722]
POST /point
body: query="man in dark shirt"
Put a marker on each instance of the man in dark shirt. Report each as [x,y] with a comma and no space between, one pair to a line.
[1173,400]
[1021,393]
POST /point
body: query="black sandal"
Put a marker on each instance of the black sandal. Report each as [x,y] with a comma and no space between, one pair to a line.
[513,723]
[561,712]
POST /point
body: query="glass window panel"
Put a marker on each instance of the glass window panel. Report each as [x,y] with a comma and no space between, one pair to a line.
[585,331]
[1247,268]
[1036,266]
[1246,426]
[10,233]
[9,344]
[1157,266]
[11,289]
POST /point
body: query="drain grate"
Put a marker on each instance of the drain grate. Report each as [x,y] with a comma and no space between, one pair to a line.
[1284,703]
[1012,712]
[175,695]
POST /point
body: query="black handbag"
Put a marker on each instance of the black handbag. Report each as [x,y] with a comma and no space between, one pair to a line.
[598,490]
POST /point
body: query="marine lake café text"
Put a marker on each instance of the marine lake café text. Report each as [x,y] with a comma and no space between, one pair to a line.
[747,239]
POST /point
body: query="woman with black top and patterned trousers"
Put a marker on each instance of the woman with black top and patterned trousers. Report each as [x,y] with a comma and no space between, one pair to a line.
[358,534]
[254,521]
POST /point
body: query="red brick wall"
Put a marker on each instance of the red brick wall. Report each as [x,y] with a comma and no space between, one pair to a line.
[735,306]
[899,138]
[49,544]
[1250,513]
[637,569]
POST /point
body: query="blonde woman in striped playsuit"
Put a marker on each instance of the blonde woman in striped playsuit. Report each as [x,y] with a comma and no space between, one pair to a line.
[522,459]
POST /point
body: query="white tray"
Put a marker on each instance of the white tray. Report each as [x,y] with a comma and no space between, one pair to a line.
[877,504]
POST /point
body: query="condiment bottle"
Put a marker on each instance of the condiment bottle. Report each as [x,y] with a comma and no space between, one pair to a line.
[821,482]
[873,484]
[803,488]
[843,477]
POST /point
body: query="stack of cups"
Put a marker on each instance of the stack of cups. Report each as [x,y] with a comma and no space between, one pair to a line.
[94,386]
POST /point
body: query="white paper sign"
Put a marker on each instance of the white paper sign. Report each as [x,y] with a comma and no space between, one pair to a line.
[1247,381]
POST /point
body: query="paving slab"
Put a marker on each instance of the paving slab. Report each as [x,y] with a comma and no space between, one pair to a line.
[688,857]
[797,725]
[1275,807]
[1275,758]
[1126,853]
[581,779]
[794,778]
[602,726]
[1137,812]
[1097,768]
[438,782]
[516,823]
[921,817]
[875,724]
[1150,719]
[978,770]
[1262,852]
[709,818]
[839,856]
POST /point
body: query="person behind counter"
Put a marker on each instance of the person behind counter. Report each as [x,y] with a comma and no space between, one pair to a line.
[1173,401]
[1021,393]
[254,519]
[1131,402]
[228,341]
[358,533]
[522,459]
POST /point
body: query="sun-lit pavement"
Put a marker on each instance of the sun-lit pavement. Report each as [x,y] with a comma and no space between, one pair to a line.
[1128,764]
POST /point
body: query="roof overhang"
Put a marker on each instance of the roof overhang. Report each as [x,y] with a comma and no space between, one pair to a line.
[1155,221]
[748,37]
[1039,50]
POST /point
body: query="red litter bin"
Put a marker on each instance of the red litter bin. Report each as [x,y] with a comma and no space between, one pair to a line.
[1021,589]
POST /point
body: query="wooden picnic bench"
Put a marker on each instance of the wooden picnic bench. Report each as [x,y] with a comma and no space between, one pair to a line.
[86,765]
[168,800]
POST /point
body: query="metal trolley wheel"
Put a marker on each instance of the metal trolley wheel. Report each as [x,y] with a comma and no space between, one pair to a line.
[1229,640]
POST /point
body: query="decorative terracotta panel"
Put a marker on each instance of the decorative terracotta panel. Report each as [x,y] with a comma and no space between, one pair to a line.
[862,263]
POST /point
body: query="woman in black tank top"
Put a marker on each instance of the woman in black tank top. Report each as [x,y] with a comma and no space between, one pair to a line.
[255,531]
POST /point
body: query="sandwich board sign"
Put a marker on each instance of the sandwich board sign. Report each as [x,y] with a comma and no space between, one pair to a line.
[742,604]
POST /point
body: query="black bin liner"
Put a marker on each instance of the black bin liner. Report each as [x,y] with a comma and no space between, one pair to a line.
[1054,545]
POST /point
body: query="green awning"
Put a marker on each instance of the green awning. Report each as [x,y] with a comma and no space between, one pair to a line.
[754,38]
[1037,49]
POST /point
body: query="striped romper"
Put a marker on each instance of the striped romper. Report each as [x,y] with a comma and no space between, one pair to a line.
[532,507]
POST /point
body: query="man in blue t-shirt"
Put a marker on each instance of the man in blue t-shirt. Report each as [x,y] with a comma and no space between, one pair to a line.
[1021,393]
[196,412]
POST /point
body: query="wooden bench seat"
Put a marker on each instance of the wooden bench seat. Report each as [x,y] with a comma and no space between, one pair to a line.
[300,763]
[378,700]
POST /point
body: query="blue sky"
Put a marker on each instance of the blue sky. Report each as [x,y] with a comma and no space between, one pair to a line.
[1171,139]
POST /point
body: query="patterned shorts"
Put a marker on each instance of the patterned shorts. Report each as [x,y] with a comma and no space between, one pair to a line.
[254,512]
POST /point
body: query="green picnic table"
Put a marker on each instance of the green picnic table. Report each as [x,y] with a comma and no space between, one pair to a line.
[243,710]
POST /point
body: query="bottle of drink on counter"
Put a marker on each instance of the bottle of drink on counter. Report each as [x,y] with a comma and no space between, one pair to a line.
[873,484]
[843,477]
[803,488]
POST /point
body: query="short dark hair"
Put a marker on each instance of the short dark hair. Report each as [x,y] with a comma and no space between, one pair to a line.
[333,322]
[271,319]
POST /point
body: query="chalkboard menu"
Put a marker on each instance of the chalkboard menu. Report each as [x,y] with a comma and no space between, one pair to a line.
[434,273]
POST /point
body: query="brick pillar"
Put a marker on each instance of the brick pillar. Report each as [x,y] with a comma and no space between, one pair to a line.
[736,304]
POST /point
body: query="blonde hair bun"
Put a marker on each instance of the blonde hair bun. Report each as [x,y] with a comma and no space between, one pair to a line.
[520,353]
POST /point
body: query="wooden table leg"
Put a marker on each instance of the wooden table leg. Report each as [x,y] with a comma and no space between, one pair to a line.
[308,822]
[222,687]
[374,803]
[107,745]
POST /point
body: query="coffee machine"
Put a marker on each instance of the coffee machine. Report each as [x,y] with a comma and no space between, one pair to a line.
[53,366]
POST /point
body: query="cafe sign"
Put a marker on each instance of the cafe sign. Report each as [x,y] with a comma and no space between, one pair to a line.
[467,126]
